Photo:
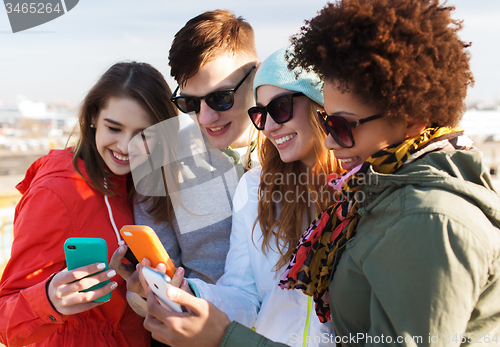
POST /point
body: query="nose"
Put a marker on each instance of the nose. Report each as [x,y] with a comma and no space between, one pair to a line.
[207,116]
[271,126]
[123,143]
[330,143]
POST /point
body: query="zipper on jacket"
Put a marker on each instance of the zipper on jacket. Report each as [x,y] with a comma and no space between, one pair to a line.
[306,328]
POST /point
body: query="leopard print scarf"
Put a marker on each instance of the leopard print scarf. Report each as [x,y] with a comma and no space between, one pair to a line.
[311,266]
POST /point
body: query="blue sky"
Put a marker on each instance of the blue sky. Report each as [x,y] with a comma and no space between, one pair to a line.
[60,60]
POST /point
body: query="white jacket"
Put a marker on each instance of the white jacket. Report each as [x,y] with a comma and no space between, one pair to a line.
[249,282]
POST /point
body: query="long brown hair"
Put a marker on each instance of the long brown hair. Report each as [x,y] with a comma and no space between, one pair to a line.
[286,220]
[131,80]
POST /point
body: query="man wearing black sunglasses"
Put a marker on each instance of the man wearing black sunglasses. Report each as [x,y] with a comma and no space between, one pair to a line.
[214,70]
[213,59]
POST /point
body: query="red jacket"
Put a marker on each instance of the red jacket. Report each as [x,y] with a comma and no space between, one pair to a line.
[56,204]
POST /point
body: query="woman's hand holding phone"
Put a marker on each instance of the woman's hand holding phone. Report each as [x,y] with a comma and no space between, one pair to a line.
[177,280]
[147,248]
[127,271]
[202,325]
[64,289]
[180,282]
[132,273]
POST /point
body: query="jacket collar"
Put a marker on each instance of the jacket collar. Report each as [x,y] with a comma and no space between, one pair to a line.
[460,172]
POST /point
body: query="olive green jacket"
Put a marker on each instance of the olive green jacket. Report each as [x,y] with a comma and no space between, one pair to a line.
[424,266]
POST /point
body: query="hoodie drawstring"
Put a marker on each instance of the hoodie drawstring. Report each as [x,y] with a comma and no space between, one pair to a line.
[112,220]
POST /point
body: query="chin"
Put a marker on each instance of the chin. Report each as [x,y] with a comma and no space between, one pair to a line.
[221,143]
[287,159]
[119,172]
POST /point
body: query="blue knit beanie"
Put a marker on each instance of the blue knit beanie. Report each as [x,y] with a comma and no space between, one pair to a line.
[274,71]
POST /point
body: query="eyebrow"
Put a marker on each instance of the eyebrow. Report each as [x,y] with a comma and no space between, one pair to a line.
[113,122]
[338,113]
[225,86]
[120,124]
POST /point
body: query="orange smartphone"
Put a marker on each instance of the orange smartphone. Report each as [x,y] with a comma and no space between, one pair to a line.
[144,243]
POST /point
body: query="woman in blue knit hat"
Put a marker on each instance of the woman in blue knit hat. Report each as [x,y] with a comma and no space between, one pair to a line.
[273,204]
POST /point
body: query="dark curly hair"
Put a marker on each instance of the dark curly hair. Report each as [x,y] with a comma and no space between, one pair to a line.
[403,56]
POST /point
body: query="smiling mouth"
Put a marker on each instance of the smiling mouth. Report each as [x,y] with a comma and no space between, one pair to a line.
[285,139]
[120,157]
[219,128]
[347,160]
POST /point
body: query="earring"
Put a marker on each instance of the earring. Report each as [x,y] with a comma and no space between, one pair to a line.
[92,126]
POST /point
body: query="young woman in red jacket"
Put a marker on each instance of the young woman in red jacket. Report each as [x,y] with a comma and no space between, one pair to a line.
[84,191]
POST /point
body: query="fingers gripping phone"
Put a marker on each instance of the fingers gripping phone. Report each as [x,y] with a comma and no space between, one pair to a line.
[82,251]
[159,284]
[144,243]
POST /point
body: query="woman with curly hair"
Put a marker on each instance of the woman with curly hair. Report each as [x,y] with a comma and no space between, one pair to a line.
[411,254]
[416,240]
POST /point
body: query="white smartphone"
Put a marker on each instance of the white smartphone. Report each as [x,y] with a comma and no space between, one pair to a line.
[159,284]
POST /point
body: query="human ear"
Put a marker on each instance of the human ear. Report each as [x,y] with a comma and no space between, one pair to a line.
[415,128]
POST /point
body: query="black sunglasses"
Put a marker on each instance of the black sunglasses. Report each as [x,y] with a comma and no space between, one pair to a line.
[221,100]
[280,109]
[340,128]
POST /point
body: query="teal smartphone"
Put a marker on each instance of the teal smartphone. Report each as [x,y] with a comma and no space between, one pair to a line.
[81,251]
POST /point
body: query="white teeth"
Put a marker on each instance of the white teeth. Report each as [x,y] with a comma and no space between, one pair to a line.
[349,160]
[284,139]
[120,157]
[219,128]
